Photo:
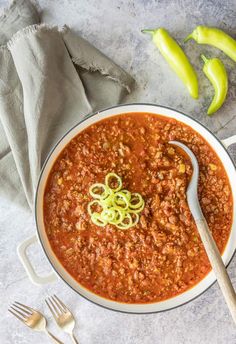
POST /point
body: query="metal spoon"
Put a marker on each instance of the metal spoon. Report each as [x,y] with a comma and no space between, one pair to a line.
[206,236]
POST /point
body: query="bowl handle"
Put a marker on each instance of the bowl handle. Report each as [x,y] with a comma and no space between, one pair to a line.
[22,253]
[229,141]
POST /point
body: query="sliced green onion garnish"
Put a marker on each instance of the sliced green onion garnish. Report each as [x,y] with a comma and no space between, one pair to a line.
[118,207]
[120,214]
[95,191]
[97,220]
[121,200]
[95,202]
[118,180]
[108,214]
[136,201]
[135,219]
[138,210]
[127,193]
[126,223]
[108,201]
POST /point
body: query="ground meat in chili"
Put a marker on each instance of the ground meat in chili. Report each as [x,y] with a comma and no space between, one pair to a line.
[163,255]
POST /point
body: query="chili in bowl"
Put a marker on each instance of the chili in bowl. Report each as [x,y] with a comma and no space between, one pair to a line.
[159,261]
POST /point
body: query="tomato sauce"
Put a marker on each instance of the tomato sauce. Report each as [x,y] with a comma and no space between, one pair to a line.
[162,256]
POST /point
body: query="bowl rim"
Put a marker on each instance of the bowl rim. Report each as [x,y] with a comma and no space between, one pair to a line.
[86,117]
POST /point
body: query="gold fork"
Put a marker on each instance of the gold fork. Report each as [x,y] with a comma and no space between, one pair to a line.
[31,318]
[62,315]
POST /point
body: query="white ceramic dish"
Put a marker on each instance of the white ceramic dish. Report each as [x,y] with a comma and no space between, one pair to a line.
[219,147]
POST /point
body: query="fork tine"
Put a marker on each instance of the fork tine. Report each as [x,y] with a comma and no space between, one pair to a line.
[24,316]
[26,312]
[48,302]
[53,304]
[15,315]
[58,303]
[61,303]
[27,307]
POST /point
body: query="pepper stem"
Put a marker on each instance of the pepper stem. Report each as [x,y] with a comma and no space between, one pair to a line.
[204,58]
[148,31]
[188,38]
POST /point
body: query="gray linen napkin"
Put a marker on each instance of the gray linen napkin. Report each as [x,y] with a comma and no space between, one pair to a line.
[49,80]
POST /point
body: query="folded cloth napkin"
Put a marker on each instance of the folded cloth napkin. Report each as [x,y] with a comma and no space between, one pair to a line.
[49,80]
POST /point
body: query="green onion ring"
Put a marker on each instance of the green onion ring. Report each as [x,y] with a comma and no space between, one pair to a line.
[119,180]
[135,222]
[136,205]
[96,201]
[108,214]
[97,186]
[123,225]
[97,220]
[122,201]
[121,215]
[127,193]
[109,201]
[136,211]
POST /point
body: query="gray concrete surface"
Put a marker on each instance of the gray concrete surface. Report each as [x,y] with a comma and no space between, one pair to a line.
[114,27]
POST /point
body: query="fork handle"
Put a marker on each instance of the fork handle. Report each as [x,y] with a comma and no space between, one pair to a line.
[218,266]
[55,339]
[73,338]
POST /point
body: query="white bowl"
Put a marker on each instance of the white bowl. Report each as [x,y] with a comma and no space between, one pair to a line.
[178,300]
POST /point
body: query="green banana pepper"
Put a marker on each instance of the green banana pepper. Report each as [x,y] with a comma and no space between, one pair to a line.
[215,37]
[176,58]
[215,71]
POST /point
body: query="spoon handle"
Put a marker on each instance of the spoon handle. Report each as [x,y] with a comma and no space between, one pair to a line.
[218,266]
